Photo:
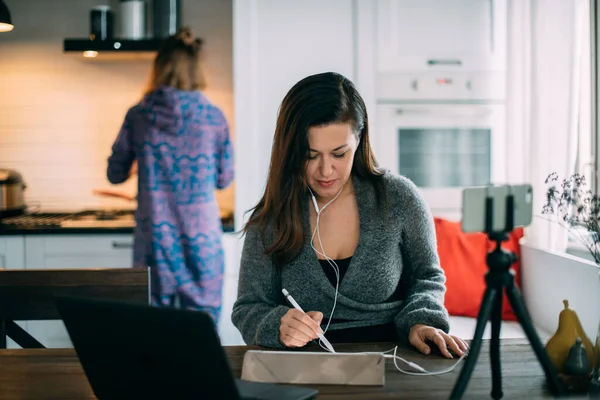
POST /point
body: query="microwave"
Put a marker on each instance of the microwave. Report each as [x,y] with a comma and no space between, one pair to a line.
[443,148]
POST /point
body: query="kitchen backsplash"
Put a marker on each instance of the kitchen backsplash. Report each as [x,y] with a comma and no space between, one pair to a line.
[59,114]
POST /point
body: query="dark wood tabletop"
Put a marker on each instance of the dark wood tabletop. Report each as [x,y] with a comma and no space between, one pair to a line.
[57,374]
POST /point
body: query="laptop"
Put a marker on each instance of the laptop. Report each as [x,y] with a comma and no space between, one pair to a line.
[136,351]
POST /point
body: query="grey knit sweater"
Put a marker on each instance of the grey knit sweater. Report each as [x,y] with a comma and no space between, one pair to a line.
[400,242]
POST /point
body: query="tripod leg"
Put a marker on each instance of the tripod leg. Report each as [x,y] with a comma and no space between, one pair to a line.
[516,302]
[495,347]
[482,318]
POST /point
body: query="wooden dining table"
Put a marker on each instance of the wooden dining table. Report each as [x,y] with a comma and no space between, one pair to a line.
[57,374]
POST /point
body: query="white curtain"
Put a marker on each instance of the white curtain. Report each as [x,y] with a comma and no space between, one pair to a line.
[547,51]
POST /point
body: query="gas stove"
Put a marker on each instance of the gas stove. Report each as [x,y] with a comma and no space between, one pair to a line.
[101,219]
[82,219]
[37,219]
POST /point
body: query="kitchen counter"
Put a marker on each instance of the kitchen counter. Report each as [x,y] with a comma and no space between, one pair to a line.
[80,222]
[45,230]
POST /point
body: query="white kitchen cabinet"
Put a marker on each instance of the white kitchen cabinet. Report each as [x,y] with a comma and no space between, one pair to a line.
[12,252]
[79,251]
[441,35]
[12,256]
[73,251]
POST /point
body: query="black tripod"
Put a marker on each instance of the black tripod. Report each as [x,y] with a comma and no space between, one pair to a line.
[498,279]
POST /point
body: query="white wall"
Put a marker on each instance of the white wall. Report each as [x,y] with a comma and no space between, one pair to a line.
[277,43]
[228,333]
[59,114]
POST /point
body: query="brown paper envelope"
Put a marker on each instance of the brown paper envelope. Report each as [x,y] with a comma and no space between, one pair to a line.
[318,368]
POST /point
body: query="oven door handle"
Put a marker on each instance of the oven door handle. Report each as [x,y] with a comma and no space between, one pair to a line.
[444,62]
[122,245]
[455,113]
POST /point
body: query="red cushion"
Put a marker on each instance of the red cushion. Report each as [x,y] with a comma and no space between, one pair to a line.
[463,259]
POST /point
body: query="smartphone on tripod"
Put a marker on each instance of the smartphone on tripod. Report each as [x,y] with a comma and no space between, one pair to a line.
[474,211]
[483,206]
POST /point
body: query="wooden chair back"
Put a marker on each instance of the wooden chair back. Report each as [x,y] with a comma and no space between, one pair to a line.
[28,295]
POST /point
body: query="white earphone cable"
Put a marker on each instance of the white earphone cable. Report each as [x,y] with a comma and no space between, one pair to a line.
[422,371]
[336,269]
[331,262]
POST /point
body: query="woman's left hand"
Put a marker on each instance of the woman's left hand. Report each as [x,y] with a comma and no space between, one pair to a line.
[419,335]
[134,169]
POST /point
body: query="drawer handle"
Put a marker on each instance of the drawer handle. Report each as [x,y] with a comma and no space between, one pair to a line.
[444,62]
[122,245]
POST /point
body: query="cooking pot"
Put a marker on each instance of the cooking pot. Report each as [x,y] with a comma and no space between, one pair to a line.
[12,188]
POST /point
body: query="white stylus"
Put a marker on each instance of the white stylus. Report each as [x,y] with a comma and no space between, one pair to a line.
[289,297]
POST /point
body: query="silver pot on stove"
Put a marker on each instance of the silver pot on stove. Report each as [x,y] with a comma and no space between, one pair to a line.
[12,193]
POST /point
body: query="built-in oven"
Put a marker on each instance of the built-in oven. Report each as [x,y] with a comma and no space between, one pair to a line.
[442,147]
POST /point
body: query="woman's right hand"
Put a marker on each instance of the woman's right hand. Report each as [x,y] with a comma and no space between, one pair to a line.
[298,328]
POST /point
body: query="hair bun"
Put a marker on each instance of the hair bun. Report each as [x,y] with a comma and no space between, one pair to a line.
[186,35]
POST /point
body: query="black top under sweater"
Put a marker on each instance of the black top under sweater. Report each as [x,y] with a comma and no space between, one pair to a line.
[374,333]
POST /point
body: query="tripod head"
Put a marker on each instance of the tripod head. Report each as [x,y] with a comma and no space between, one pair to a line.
[509,222]
[500,259]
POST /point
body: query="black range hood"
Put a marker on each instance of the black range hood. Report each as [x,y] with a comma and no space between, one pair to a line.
[92,48]
[134,41]
[114,45]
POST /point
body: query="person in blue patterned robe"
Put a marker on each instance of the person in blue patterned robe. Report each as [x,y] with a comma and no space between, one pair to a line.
[181,145]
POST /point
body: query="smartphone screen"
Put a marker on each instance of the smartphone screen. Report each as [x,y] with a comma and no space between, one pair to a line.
[474,207]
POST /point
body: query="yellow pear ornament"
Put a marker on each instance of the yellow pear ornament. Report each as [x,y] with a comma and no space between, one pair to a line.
[569,329]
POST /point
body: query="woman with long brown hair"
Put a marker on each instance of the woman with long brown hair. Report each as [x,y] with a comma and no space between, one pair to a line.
[346,239]
[180,143]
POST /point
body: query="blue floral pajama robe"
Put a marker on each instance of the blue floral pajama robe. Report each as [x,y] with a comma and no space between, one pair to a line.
[182,146]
